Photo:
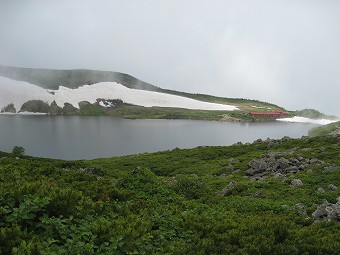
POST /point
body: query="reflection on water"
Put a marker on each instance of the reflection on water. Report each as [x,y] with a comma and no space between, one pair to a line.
[75,137]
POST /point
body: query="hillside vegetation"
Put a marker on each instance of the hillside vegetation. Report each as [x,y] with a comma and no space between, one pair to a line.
[313,114]
[333,128]
[268,197]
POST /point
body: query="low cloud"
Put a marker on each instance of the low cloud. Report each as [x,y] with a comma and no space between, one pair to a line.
[285,52]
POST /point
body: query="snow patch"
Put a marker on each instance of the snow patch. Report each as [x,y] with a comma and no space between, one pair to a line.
[307,120]
[19,92]
[23,113]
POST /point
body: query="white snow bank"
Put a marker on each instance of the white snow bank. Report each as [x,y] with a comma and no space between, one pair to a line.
[307,120]
[23,113]
[18,92]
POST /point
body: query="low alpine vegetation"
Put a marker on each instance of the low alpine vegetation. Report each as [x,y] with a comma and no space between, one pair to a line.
[269,197]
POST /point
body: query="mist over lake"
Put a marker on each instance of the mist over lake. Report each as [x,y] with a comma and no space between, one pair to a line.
[75,137]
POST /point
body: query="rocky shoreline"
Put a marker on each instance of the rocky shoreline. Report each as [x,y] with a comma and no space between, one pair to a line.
[39,106]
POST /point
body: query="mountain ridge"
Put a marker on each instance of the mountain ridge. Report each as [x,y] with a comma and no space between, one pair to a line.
[74,78]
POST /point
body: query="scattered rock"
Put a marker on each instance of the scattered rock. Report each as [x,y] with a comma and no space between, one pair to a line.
[313,161]
[271,145]
[90,171]
[285,138]
[236,171]
[258,178]
[258,141]
[256,195]
[230,167]
[327,211]
[296,183]
[238,143]
[332,187]
[233,160]
[279,176]
[226,176]
[301,209]
[227,188]
[257,167]
[321,190]
[331,169]
[276,162]
[194,175]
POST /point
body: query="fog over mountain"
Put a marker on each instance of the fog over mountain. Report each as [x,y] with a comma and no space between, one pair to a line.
[284,52]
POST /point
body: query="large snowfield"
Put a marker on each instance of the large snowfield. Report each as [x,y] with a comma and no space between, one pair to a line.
[19,92]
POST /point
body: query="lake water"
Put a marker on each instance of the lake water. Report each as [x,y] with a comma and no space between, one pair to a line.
[75,137]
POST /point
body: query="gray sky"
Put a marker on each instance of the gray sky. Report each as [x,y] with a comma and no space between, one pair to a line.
[281,51]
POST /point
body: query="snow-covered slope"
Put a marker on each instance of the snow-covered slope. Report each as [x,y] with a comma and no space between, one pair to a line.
[19,92]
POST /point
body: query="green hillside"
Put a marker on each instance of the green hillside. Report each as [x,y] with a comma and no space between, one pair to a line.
[264,198]
[333,128]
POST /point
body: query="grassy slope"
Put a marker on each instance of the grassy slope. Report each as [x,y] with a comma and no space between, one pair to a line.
[138,112]
[325,130]
[52,79]
[313,114]
[167,203]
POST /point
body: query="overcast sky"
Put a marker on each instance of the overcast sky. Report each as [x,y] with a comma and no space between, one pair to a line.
[281,51]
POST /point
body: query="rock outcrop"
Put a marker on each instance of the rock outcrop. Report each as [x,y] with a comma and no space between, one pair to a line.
[35,106]
[69,109]
[276,162]
[327,211]
[9,108]
[83,104]
[55,109]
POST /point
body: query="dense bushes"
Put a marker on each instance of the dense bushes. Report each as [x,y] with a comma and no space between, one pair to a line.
[166,203]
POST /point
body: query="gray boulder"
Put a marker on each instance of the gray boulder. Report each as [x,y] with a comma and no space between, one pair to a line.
[321,190]
[301,209]
[296,183]
[327,211]
[229,167]
[332,187]
[227,188]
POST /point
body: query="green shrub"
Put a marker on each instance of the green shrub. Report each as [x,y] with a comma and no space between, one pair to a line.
[18,151]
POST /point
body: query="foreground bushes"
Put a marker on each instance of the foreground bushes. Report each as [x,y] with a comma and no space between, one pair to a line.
[164,203]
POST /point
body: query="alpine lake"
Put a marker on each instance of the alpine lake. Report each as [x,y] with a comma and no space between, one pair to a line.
[89,137]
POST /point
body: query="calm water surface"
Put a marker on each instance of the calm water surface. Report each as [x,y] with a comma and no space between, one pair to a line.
[75,137]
